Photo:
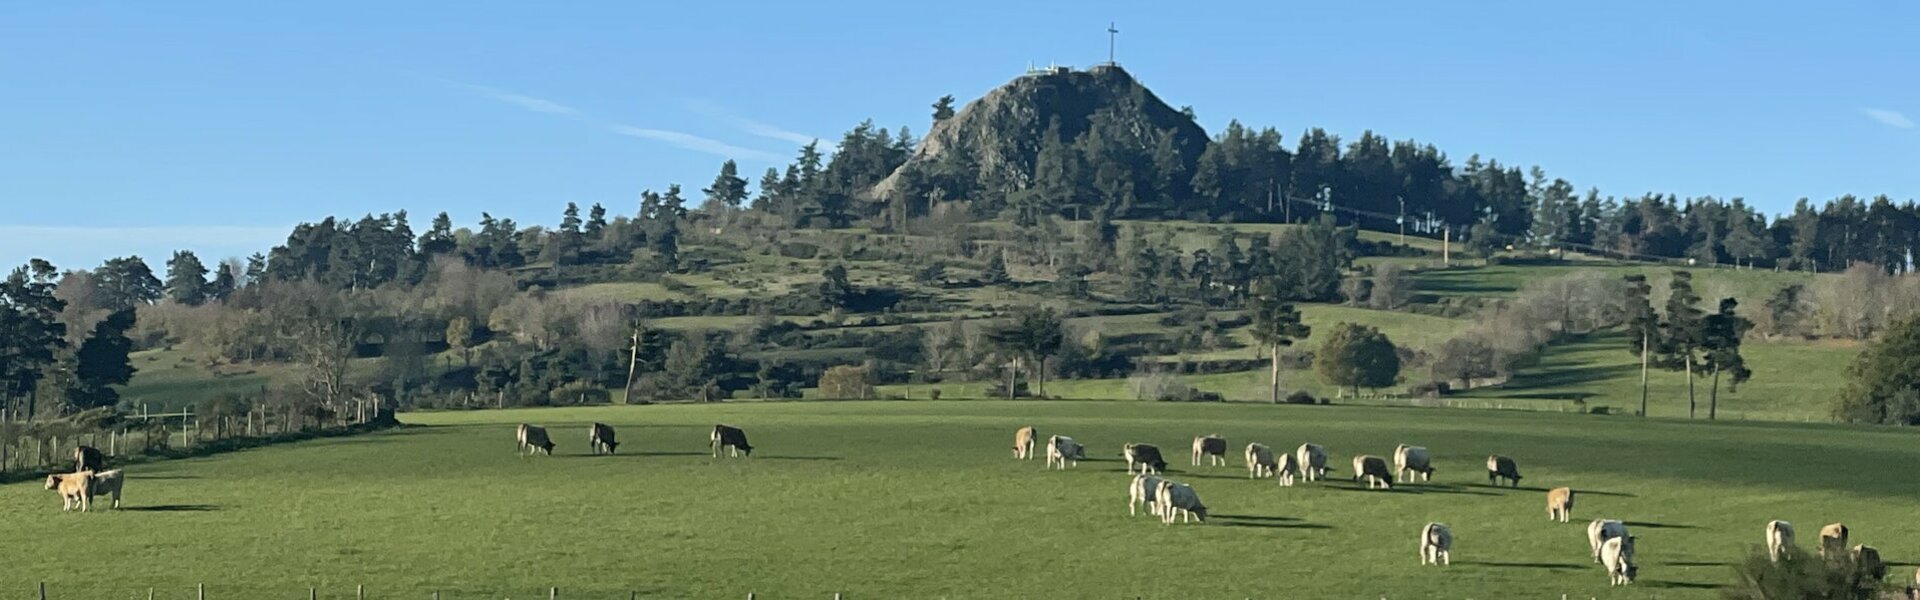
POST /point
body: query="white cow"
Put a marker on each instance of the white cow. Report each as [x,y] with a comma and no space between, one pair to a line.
[1313,461]
[1436,544]
[1601,530]
[1617,556]
[1408,460]
[1289,469]
[1260,461]
[109,483]
[1062,450]
[1178,500]
[1211,447]
[1143,493]
[1779,540]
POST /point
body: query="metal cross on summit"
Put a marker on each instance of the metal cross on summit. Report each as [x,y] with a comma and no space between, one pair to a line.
[1111,34]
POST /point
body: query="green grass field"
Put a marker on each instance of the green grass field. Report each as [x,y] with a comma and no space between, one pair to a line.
[921,500]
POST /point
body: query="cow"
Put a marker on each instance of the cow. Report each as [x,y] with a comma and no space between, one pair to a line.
[1289,469]
[1914,591]
[1560,504]
[1179,500]
[534,438]
[1213,447]
[1408,460]
[1142,494]
[1260,462]
[1867,559]
[1436,544]
[1373,469]
[1023,442]
[1501,467]
[1833,540]
[109,483]
[1601,530]
[76,490]
[1145,456]
[600,436]
[1779,540]
[1617,556]
[88,458]
[1062,449]
[1313,461]
[733,438]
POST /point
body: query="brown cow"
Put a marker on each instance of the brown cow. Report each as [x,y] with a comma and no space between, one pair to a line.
[1023,442]
[76,489]
[1560,504]
[1833,540]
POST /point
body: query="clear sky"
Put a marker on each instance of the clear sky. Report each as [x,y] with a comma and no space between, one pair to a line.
[140,127]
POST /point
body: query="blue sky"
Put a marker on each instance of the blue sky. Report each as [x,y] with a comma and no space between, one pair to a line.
[141,127]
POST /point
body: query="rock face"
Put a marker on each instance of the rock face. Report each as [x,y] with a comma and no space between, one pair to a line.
[1002,132]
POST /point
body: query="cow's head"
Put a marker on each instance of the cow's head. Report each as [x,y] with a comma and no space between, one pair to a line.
[612,445]
[1201,513]
[1159,466]
[53,482]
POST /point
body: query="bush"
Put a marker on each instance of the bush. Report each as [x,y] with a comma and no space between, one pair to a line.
[1160,386]
[1803,576]
[1300,397]
[933,394]
[579,392]
[1431,389]
[846,382]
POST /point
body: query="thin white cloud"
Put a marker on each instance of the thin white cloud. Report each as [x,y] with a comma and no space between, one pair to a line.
[1890,118]
[758,128]
[525,102]
[678,139]
[697,144]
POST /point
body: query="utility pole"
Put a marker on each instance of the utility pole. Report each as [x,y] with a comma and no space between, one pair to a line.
[1403,219]
[1112,33]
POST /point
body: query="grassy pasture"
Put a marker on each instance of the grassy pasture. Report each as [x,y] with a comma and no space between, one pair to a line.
[921,500]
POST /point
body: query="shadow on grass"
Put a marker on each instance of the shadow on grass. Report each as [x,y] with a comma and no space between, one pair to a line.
[173,508]
[1253,518]
[1525,565]
[1578,491]
[1651,525]
[1696,563]
[1683,585]
[639,454]
[793,458]
[163,477]
[1268,524]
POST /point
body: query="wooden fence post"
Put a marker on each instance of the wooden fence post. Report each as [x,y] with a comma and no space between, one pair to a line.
[201,590]
[312,594]
[553,593]
[43,590]
[360,592]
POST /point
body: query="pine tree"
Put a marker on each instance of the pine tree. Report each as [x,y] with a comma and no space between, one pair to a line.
[127,282]
[996,272]
[101,362]
[1723,331]
[1643,327]
[1684,331]
[728,188]
[186,279]
[766,198]
[596,222]
[1277,325]
[943,108]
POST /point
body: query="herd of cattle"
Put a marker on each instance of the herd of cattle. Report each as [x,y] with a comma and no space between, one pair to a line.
[1611,544]
[1608,539]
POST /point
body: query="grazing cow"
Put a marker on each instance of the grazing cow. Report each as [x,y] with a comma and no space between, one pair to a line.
[1260,462]
[1408,460]
[1145,456]
[1373,469]
[1867,558]
[1289,469]
[1915,590]
[1617,556]
[1499,467]
[1213,447]
[1062,449]
[1560,504]
[600,436]
[76,490]
[1779,540]
[88,458]
[1142,493]
[1313,461]
[1601,530]
[1179,500]
[1023,442]
[534,438]
[109,483]
[733,438]
[1833,540]
[1436,544]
